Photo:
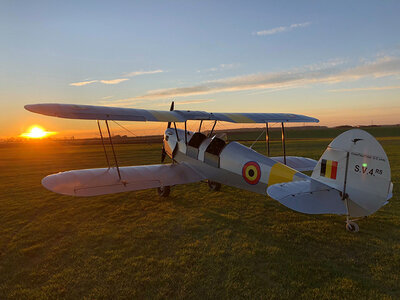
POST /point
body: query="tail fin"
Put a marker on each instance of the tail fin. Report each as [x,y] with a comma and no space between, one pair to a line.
[352,177]
[356,164]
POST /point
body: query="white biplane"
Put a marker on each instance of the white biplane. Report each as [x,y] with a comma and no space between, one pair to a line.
[352,177]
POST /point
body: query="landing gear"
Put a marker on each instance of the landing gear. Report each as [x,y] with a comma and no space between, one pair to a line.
[214,186]
[352,226]
[163,191]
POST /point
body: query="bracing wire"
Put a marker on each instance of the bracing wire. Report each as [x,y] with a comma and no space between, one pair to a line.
[251,147]
[123,127]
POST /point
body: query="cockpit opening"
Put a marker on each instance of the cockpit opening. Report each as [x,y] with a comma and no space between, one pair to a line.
[214,149]
[197,139]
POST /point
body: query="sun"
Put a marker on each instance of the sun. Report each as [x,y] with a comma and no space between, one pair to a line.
[37,132]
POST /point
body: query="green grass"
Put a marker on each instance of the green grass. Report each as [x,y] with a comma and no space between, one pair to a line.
[196,244]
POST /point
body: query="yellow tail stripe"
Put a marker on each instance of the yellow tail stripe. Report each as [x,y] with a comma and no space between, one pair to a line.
[280,173]
[328,168]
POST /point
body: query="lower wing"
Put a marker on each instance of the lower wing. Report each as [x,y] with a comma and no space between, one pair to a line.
[94,182]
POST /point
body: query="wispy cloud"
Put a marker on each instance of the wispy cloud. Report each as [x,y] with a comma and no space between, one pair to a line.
[329,73]
[220,67]
[114,81]
[111,81]
[281,29]
[83,83]
[373,88]
[138,73]
[117,80]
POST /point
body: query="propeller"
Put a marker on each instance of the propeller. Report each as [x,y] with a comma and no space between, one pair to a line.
[163,153]
[170,109]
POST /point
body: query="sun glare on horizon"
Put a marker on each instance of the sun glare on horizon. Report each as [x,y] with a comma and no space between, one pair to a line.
[37,132]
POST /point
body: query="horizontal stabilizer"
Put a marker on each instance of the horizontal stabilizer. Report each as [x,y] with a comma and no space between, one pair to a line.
[94,182]
[308,196]
[90,112]
[297,162]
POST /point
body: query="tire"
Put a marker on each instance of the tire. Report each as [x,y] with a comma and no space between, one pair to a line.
[214,186]
[352,226]
[163,191]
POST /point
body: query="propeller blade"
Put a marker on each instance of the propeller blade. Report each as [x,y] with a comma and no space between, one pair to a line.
[163,153]
[171,109]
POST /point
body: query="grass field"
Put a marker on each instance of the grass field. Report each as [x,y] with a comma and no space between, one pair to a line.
[196,244]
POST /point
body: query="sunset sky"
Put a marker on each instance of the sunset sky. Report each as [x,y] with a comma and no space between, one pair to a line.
[338,61]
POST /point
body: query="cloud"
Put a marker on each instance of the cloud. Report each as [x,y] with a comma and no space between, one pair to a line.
[281,29]
[327,73]
[114,81]
[111,81]
[220,67]
[384,66]
[117,80]
[138,73]
[373,88]
[83,83]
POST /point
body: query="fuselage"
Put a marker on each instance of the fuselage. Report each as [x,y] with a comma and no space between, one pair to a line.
[230,163]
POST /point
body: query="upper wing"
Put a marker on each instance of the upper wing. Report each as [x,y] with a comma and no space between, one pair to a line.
[94,182]
[90,112]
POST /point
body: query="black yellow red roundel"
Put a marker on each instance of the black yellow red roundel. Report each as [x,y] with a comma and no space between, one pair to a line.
[251,172]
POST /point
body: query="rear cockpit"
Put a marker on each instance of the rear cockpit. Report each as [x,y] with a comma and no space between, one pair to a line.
[213,151]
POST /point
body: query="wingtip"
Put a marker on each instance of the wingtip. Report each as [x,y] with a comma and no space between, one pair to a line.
[29,107]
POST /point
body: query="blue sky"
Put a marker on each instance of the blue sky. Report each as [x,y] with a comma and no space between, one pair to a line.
[338,61]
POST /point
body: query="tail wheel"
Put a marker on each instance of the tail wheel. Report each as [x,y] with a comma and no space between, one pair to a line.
[163,191]
[352,226]
[214,186]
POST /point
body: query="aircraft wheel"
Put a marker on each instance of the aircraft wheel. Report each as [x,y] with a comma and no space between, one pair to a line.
[214,186]
[352,226]
[163,191]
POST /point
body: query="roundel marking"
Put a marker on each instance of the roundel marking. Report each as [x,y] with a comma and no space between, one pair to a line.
[251,172]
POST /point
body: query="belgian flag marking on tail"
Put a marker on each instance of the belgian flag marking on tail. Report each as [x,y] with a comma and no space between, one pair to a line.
[329,168]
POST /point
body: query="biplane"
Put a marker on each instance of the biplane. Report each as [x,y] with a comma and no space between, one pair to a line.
[352,177]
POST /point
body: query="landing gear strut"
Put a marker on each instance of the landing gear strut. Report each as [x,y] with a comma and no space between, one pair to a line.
[163,191]
[214,186]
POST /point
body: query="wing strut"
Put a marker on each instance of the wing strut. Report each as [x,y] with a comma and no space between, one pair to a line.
[267,137]
[215,123]
[112,147]
[283,143]
[104,146]
[176,132]
[185,134]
